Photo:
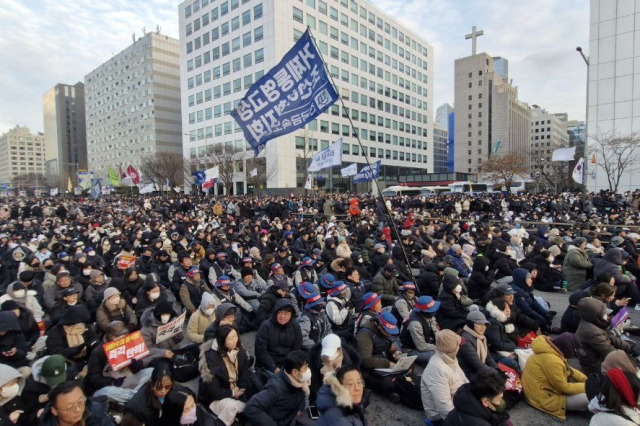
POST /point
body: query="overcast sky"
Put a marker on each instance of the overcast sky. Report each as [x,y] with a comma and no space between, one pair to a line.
[45,42]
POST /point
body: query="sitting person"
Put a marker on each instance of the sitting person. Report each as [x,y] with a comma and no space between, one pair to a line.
[452,315]
[617,401]
[71,337]
[340,399]
[68,405]
[277,337]
[419,330]
[616,359]
[192,290]
[404,303]
[225,375]
[314,323]
[13,346]
[283,397]
[12,406]
[548,382]
[115,308]
[442,377]
[28,325]
[501,336]
[480,402]
[201,319]
[151,293]
[523,288]
[18,293]
[181,408]
[570,319]
[152,318]
[474,355]
[327,357]
[225,315]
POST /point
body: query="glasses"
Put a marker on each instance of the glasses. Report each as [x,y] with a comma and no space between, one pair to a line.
[284,314]
[160,387]
[354,385]
[74,407]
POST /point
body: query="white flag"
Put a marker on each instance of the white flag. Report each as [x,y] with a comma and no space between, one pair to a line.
[146,189]
[351,170]
[328,157]
[578,171]
[254,172]
[563,154]
[212,173]
[309,183]
[54,192]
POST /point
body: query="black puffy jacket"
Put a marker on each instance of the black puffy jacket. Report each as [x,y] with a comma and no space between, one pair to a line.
[275,341]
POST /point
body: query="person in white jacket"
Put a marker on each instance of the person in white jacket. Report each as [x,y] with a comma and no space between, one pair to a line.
[442,377]
[17,292]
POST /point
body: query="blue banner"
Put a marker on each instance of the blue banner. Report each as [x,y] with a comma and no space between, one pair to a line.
[200,177]
[290,95]
[96,189]
[368,173]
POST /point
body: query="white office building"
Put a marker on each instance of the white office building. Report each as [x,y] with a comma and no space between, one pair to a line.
[614,82]
[132,105]
[383,72]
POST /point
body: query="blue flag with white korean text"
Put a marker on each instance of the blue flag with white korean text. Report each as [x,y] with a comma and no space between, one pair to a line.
[368,173]
[96,189]
[199,177]
[290,95]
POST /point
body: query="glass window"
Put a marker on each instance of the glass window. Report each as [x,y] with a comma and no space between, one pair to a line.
[235,4]
[235,44]
[297,15]
[322,26]
[257,11]
[214,14]
[248,80]
[257,34]
[247,60]
[322,7]
[333,13]
[311,3]
[311,22]
[215,34]
[259,56]
[235,23]
[246,17]
[224,8]
[224,28]
[246,39]
[300,142]
[237,65]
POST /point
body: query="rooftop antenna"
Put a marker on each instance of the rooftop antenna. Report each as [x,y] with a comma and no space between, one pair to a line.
[144,30]
[158,29]
[133,37]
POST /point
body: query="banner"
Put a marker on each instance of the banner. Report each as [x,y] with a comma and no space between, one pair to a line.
[290,95]
[368,173]
[120,352]
[328,157]
[199,177]
[351,170]
[114,178]
[53,192]
[96,189]
[254,172]
[209,183]
[578,171]
[167,331]
[564,154]
[84,179]
[309,183]
[146,189]
[133,174]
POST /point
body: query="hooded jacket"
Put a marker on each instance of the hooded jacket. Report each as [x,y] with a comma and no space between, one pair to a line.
[199,321]
[29,301]
[468,411]
[610,264]
[440,381]
[429,281]
[480,279]
[277,404]
[275,341]
[596,340]
[451,315]
[525,301]
[499,330]
[616,359]
[8,406]
[149,332]
[547,378]
[12,339]
[336,406]
[214,376]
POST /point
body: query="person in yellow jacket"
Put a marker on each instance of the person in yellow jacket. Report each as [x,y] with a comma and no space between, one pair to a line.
[549,383]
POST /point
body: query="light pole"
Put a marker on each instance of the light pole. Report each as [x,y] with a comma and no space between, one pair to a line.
[586,126]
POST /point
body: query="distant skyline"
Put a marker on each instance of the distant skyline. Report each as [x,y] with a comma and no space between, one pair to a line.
[46,42]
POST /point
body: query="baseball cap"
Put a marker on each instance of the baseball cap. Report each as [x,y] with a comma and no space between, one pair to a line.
[378,246]
[505,289]
[426,304]
[330,345]
[54,370]
[477,317]
[69,291]
[390,267]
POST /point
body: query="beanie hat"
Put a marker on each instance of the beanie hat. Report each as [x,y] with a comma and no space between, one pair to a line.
[94,273]
[75,314]
[578,241]
[447,342]
[150,280]
[116,329]
[110,291]
[26,276]
[246,271]
[9,305]
[620,382]
[456,248]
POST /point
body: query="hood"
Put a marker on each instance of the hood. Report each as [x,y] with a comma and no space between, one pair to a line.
[543,345]
[480,264]
[333,394]
[449,282]
[207,299]
[613,255]
[148,319]
[9,322]
[281,304]
[520,278]
[36,368]
[618,359]
[592,310]
[465,402]
[496,313]
[222,309]
[6,375]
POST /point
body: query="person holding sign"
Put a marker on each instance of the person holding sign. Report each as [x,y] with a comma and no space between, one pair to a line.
[151,320]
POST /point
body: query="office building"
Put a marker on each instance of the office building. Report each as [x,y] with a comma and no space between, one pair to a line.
[489,118]
[548,133]
[65,133]
[501,67]
[442,115]
[440,148]
[22,153]
[383,72]
[133,105]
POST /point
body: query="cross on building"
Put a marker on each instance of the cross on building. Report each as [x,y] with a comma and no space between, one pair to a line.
[473,36]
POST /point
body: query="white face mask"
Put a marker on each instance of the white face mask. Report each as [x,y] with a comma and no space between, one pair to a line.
[10,392]
[550,259]
[164,318]
[208,312]
[457,289]
[72,303]
[306,376]
[86,272]
[154,295]
[486,268]
[91,253]
[19,294]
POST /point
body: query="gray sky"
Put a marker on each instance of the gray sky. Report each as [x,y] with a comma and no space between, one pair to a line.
[45,42]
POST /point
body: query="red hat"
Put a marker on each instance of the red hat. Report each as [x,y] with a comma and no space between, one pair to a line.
[622,385]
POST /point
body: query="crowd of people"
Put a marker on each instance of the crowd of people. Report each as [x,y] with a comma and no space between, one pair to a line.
[297,308]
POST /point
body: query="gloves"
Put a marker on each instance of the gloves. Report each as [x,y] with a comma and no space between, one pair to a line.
[135,366]
[131,328]
[118,382]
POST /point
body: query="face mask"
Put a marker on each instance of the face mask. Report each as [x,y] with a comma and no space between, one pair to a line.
[86,272]
[154,296]
[500,408]
[145,257]
[550,259]
[91,253]
[457,289]
[10,392]
[360,261]
[19,294]
[189,418]
[164,318]
[115,300]
[208,312]
[486,268]
[72,303]
[306,376]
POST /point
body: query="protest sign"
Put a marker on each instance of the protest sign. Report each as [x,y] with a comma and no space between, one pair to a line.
[121,351]
[170,329]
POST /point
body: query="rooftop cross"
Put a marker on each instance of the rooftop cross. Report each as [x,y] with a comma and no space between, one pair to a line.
[473,36]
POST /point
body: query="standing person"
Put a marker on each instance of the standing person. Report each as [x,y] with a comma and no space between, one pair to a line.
[576,264]
[340,399]
[442,378]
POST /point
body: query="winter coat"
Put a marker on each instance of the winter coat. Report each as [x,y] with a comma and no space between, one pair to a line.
[350,357]
[57,343]
[458,264]
[149,332]
[570,318]
[214,376]
[499,330]
[53,294]
[275,341]
[611,264]
[429,281]
[144,408]
[480,279]
[503,264]
[469,411]
[575,266]
[547,378]
[336,407]
[191,294]
[29,301]
[440,381]
[451,315]
[419,332]
[387,288]
[277,404]
[95,414]
[525,300]
[372,348]
[198,324]
[12,339]
[16,403]
[314,326]
[596,340]
[122,312]
[468,358]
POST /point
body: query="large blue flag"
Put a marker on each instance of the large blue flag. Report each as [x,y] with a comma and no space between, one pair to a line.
[290,95]
[199,177]
[96,189]
[368,173]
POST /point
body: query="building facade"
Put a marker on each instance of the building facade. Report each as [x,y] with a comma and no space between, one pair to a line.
[442,115]
[613,95]
[133,105]
[382,70]
[489,118]
[22,153]
[548,133]
[440,151]
[501,67]
[65,133]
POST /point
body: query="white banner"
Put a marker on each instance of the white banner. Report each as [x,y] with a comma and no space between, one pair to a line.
[578,171]
[309,183]
[328,157]
[167,331]
[351,170]
[254,172]
[563,154]
[212,173]
[146,189]
[54,192]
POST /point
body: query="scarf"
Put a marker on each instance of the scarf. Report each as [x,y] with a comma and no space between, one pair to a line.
[231,362]
[298,384]
[75,334]
[451,361]
[481,343]
[331,365]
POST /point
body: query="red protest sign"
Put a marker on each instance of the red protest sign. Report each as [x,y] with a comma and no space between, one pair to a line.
[120,352]
[125,260]
[513,378]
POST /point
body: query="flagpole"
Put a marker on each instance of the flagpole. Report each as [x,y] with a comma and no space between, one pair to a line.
[366,156]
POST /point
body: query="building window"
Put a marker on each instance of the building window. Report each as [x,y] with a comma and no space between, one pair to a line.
[258,34]
[257,11]
[297,15]
[259,56]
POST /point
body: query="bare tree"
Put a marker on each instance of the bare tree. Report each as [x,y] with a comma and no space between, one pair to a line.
[217,156]
[617,155]
[27,180]
[504,169]
[303,157]
[159,167]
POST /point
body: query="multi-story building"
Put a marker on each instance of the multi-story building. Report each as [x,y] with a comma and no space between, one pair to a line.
[133,105]
[65,133]
[613,91]
[489,118]
[501,67]
[382,70]
[548,133]
[440,151]
[442,115]
[22,153]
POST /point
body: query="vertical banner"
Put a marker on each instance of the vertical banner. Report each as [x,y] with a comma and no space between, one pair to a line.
[84,179]
[328,157]
[290,95]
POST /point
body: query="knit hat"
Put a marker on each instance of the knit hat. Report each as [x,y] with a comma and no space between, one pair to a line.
[150,280]
[369,300]
[618,359]
[163,307]
[26,276]
[246,271]
[109,292]
[579,240]
[305,289]
[426,304]
[378,246]
[63,254]
[447,342]
[9,305]
[223,281]
[568,344]
[75,314]
[456,248]
[221,254]
[313,300]
[389,322]
[620,382]
[282,284]
[557,240]
[54,370]
[554,250]
[94,273]
[617,241]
